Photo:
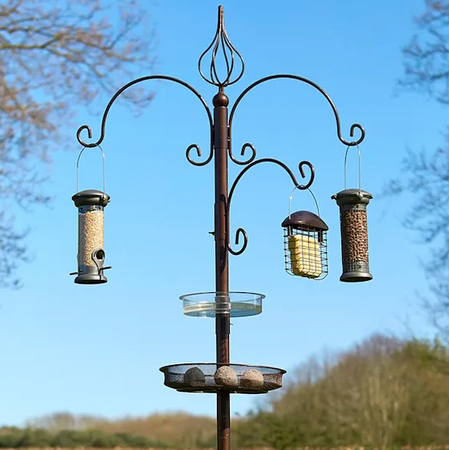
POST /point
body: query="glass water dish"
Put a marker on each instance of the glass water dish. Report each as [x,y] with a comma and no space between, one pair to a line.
[209,304]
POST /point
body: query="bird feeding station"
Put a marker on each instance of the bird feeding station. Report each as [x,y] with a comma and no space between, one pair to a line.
[305,233]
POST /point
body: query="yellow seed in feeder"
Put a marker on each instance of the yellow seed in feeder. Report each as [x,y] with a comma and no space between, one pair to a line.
[305,256]
[91,236]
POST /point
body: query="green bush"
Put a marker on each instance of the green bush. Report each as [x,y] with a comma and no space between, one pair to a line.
[384,393]
[36,437]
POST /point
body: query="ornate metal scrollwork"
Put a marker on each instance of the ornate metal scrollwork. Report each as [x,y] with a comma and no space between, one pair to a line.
[241,231]
[139,80]
[304,80]
[221,40]
[242,153]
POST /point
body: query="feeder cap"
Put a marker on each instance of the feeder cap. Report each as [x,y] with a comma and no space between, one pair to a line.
[308,219]
[91,197]
[352,196]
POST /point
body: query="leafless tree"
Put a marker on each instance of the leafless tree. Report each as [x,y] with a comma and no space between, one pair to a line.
[426,64]
[426,56]
[54,56]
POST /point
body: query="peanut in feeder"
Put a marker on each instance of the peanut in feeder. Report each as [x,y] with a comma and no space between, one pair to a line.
[354,234]
[354,230]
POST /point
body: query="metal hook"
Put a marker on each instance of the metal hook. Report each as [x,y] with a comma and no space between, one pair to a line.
[78,166]
[291,196]
[360,167]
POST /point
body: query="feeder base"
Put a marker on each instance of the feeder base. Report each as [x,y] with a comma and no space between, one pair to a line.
[91,278]
[355,277]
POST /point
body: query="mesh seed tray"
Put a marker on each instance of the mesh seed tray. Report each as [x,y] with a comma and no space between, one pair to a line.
[211,377]
[209,304]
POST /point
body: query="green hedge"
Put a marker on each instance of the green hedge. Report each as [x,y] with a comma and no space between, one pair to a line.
[12,437]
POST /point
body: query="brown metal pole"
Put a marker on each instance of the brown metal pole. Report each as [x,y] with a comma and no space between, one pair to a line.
[222,321]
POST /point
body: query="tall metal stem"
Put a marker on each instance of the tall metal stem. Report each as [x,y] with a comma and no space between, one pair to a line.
[222,321]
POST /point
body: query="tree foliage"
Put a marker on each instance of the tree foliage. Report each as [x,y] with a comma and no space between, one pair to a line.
[38,437]
[384,392]
[176,430]
[426,64]
[55,55]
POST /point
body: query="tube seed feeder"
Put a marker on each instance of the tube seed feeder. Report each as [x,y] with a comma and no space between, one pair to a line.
[354,231]
[91,254]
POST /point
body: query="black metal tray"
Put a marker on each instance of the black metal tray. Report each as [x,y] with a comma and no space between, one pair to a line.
[212,377]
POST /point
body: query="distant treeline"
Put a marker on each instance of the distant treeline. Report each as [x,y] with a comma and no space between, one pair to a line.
[11,437]
[386,393]
[174,430]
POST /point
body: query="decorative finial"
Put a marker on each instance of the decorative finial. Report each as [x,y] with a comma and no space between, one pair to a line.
[221,39]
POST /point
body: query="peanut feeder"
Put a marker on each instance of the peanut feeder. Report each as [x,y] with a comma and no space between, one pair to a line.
[305,245]
[354,234]
[91,254]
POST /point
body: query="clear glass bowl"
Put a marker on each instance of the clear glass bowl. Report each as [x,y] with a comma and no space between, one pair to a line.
[209,304]
[212,377]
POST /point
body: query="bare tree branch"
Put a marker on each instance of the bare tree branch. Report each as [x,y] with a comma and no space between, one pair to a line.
[55,54]
[426,60]
[426,69]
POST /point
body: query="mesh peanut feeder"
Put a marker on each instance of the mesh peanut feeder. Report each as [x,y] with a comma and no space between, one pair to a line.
[305,244]
[354,231]
[91,254]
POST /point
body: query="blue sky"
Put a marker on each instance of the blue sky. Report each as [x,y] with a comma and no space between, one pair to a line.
[97,349]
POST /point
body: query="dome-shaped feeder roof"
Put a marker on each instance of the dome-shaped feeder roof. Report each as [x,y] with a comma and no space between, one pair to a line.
[91,197]
[305,219]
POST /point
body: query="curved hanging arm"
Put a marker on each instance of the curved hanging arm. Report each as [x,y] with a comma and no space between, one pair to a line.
[311,83]
[136,81]
[241,231]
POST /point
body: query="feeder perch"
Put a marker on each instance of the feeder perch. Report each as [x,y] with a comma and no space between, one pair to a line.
[305,245]
[91,254]
[354,234]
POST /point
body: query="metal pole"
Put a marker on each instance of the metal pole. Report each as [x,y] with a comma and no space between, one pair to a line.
[222,321]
